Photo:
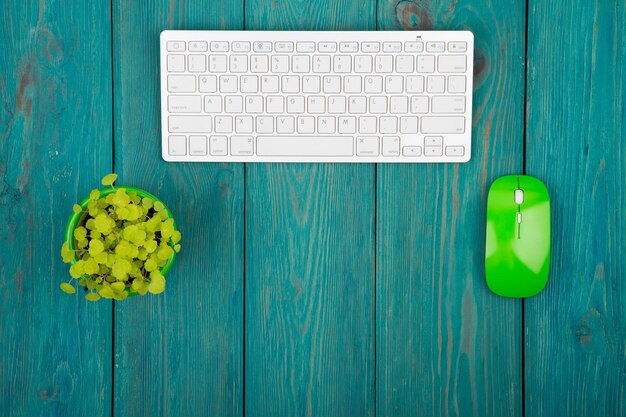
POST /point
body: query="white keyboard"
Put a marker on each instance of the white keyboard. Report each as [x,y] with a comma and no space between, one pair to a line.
[243,96]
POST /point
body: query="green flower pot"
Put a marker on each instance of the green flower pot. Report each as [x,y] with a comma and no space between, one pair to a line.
[77,219]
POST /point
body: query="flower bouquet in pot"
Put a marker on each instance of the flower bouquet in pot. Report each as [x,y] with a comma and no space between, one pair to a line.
[120,241]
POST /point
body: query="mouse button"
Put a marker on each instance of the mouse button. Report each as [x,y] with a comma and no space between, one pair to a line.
[519,196]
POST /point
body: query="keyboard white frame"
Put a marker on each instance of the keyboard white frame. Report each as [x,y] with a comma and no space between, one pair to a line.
[321,36]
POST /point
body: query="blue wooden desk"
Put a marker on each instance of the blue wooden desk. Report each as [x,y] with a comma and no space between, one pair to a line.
[315,289]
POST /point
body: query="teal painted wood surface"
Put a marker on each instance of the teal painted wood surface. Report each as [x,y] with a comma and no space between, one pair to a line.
[309,261]
[447,346]
[314,289]
[180,354]
[576,328]
[55,143]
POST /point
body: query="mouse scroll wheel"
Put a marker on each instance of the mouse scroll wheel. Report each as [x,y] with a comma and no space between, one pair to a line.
[519,196]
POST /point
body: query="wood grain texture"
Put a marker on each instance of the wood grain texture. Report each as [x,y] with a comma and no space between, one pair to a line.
[576,328]
[309,261]
[446,345]
[55,143]
[181,353]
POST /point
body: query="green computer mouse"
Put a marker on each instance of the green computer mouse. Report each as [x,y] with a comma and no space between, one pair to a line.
[517,243]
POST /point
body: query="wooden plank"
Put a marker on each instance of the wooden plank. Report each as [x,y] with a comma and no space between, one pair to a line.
[446,345]
[576,328]
[181,353]
[309,261]
[55,143]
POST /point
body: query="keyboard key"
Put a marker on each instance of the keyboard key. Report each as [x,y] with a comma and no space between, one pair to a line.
[391,146]
[264,124]
[457,46]
[300,64]
[305,46]
[451,63]
[175,46]
[177,145]
[306,124]
[327,46]
[348,47]
[316,104]
[207,83]
[311,84]
[413,47]
[342,63]
[455,150]
[280,63]
[189,124]
[373,84]
[404,63]
[415,84]
[197,145]
[419,104]
[233,104]
[433,151]
[435,46]
[212,104]
[198,46]
[363,64]
[219,46]
[412,151]
[290,83]
[392,47]
[295,104]
[223,124]
[184,104]
[352,84]
[332,84]
[259,63]
[367,146]
[238,63]
[367,124]
[370,47]
[456,84]
[357,105]
[336,104]
[435,83]
[285,125]
[399,105]
[181,83]
[388,124]
[305,146]
[426,63]
[384,63]
[249,84]
[254,104]
[217,63]
[433,141]
[443,124]
[284,46]
[274,104]
[408,124]
[347,125]
[326,125]
[176,63]
[241,146]
[240,46]
[378,104]
[244,124]
[394,84]
[262,46]
[448,104]
[270,84]
[228,84]
[321,63]
[197,63]
[218,145]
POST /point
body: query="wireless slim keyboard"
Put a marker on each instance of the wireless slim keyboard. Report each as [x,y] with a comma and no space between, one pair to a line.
[242,96]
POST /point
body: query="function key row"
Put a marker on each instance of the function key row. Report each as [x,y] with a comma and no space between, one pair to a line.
[310,47]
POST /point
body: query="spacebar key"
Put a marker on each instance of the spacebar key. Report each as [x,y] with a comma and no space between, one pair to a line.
[305,146]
